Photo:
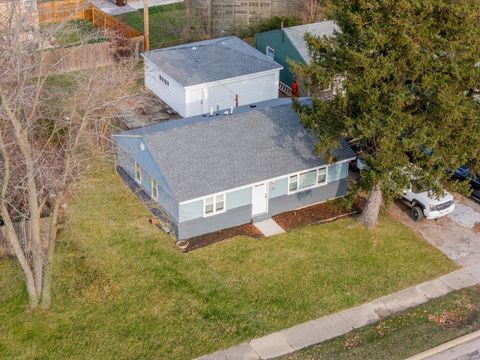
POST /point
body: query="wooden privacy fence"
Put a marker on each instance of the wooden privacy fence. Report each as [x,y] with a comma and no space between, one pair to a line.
[123,40]
[24,236]
[58,11]
[62,10]
[108,23]
[88,56]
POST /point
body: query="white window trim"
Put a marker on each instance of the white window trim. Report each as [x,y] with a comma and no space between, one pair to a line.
[153,182]
[268,180]
[215,211]
[297,190]
[326,175]
[269,48]
[139,180]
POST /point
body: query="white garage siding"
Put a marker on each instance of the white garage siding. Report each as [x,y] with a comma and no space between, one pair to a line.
[166,88]
[250,89]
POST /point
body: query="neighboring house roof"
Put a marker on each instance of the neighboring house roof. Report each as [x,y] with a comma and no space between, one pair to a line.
[202,155]
[210,60]
[296,34]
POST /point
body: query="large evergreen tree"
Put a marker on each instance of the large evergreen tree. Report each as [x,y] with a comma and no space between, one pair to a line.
[410,71]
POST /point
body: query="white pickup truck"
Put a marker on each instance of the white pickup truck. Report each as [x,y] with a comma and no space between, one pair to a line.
[422,202]
[425,205]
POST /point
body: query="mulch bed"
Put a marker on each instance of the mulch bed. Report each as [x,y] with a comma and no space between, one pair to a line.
[212,238]
[320,213]
[315,214]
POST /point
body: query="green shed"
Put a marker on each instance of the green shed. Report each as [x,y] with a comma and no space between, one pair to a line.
[289,44]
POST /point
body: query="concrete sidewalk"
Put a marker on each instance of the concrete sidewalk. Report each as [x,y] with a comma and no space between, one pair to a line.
[327,327]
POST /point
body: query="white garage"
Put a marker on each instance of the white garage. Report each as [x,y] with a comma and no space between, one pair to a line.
[211,75]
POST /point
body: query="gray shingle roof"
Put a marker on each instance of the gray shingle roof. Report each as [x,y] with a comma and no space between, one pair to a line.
[296,34]
[204,155]
[210,60]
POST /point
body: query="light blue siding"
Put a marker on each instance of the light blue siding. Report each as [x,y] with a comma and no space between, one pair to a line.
[337,172]
[278,188]
[144,158]
[191,211]
[239,198]
[234,200]
[128,152]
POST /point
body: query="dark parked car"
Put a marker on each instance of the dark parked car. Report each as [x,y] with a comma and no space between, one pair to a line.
[464,173]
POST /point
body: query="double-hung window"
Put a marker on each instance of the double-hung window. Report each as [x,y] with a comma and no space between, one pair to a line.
[307,179]
[138,173]
[293,183]
[322,176]
[214,204]
[154,189]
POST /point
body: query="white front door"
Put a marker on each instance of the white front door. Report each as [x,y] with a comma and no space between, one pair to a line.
[259,199]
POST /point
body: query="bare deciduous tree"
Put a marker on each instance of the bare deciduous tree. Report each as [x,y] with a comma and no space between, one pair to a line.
[48,127]
[310,11]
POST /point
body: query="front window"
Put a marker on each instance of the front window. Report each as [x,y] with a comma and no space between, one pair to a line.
[219,202]
[209,206]
[322,176]
[214,204]
[138,173]
[307,179]
[293,183]
[154,189]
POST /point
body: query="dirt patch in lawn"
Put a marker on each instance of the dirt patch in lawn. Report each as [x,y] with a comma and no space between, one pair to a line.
[212,238]
[317,214]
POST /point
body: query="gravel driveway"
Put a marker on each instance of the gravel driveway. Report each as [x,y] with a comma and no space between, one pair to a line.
[457,235]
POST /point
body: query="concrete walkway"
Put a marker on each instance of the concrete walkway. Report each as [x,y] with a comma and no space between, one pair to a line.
[327,327]
[269,227]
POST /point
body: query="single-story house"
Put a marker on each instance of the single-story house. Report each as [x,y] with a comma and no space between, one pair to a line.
[289,44]
[210,173]
[211,75]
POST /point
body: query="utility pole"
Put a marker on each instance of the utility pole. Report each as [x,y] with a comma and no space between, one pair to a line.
[146,27]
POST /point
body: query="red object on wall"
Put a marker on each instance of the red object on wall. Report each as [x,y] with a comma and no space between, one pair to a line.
[295,89]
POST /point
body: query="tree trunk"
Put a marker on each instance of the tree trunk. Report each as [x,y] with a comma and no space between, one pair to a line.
[22,260]
[47,280]
[369,217]
[25,149]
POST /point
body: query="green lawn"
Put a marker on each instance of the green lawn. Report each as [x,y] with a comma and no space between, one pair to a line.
[75,32]
[168,25]
[405,334]
[122,291]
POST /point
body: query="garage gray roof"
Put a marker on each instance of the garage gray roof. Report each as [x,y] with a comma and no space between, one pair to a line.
[296,34]
[210,60]
[204,155]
